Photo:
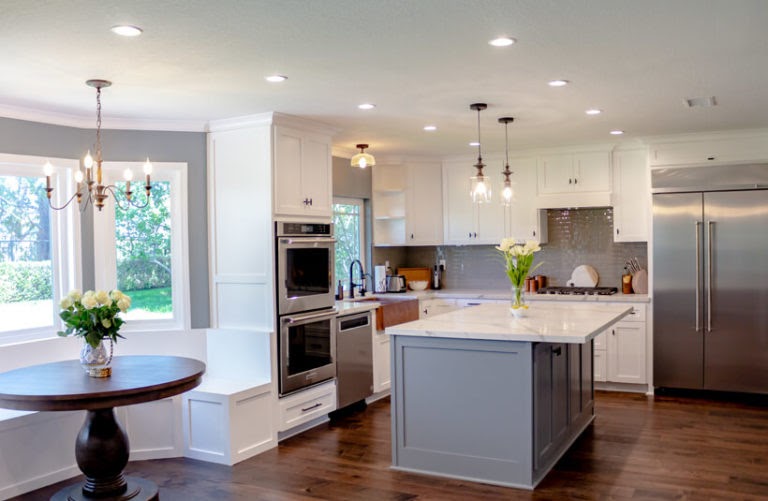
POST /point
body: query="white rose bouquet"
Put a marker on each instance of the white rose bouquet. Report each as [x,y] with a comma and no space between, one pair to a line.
[93,315]
[519,264]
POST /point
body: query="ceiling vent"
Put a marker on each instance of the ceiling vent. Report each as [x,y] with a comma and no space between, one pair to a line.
[700,102]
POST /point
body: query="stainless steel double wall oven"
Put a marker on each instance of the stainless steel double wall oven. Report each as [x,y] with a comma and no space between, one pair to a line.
[305,304]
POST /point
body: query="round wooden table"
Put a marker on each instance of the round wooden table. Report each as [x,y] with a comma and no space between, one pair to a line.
[101,448]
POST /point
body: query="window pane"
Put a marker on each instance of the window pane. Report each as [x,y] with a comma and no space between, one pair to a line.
[26,274]
[346,227]
[143,241]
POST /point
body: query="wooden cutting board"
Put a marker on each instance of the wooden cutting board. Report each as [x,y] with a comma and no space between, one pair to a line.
[416,274]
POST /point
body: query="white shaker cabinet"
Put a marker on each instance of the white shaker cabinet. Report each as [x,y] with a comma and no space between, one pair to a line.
[302,173]
[574,172]
[631,196]
[523,221]
[466,223]
[424,204]
[620,351]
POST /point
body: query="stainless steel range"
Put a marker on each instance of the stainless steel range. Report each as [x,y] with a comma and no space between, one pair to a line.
[579,291]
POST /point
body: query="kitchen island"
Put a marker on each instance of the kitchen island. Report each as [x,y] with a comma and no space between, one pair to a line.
[480,395]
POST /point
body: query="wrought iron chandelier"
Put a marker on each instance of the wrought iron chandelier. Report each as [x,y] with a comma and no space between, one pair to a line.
[480,185]
[90,186]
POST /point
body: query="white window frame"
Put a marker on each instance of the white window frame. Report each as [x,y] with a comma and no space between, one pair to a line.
[105,251]
[361,215]
[66,256]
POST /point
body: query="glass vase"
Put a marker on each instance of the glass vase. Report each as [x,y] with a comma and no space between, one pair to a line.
[96,360]
[518,307]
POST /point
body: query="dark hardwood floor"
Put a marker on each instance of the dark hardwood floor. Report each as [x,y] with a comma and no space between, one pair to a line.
[663,447]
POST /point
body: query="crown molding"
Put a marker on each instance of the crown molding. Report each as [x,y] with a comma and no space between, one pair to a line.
[82,122]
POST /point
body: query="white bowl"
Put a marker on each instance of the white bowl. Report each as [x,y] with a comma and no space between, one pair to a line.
[418,285]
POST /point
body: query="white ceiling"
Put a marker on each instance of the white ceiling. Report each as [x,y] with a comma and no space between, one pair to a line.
[421,61]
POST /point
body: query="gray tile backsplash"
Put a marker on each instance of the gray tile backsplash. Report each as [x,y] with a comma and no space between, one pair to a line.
[576,236]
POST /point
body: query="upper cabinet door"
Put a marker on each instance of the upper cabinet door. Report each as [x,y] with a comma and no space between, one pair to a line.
[424,208]
[316,175]
[523,220]
[458,213]
[631,199]
[287,172]
[592,171]
[555,173]
[302,174]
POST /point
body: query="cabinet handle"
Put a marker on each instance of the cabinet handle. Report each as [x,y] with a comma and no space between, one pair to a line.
[411,236]
[469,235]
[570,181]
[617,231]
[613,332]
[474,235]
[312,407]
[426,311]
[310,201]
[557,351]
[534,233]
[575,180]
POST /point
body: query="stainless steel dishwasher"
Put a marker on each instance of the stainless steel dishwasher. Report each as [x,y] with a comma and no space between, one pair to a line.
[354,358]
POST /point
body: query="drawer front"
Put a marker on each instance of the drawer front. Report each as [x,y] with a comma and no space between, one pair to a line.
[307,405]
[637,315]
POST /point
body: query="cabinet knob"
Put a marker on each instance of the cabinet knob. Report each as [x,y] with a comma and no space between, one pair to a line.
[534,233]
[310,201]
[411,236]
[613,332]
[575,180]
[474,235]
[425,311]
[557,351]
[617,231]
[570,181]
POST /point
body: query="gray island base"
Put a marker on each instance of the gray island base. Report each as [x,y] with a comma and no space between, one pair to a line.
[480,395]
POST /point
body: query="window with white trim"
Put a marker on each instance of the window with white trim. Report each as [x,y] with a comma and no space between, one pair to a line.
[349,231]
[39,247]
[144,251]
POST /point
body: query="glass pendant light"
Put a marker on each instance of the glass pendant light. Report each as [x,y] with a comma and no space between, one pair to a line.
[507,193]
[479,184]
[362,159]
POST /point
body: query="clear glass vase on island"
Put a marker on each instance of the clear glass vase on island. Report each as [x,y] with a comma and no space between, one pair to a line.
[518,264]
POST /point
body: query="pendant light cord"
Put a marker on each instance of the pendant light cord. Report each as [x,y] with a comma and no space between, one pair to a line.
[479,142]
[98,125]
[506,142]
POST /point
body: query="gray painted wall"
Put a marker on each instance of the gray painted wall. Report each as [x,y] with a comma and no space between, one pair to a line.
[349,181]
[31,138]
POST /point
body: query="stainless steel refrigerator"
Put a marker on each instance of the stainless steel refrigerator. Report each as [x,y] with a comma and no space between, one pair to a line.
[710,278]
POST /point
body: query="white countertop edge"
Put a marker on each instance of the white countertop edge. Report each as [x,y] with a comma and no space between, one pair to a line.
[449,325]
[350,308]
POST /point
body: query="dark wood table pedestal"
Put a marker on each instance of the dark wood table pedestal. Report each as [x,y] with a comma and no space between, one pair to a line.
[102,451]
[101,448]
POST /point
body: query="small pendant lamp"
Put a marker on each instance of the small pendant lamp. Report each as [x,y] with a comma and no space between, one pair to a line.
[507,193]
[362,159]
[479,184]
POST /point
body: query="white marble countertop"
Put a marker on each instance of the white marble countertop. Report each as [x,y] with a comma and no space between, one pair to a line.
[544,322]
[350,307]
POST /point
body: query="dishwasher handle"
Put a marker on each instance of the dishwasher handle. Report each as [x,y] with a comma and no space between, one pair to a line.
[354,322]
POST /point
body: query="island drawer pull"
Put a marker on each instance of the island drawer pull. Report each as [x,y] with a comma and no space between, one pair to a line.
[312,407]
[557,351]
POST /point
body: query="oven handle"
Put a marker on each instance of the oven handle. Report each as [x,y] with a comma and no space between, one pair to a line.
[293,320]
[302,240]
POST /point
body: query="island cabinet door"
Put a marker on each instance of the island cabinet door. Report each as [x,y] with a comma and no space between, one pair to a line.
[551,397]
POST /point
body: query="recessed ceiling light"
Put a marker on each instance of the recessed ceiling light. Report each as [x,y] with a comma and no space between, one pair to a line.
[430,128]
[502,42]
[474,143]
[593,111]
[704,102]
[126,30]
[558,83]
[276,78]
[366,106]
[617,132]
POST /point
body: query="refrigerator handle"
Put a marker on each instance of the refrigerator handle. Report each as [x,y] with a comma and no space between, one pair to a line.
[698,273]
[710,224]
